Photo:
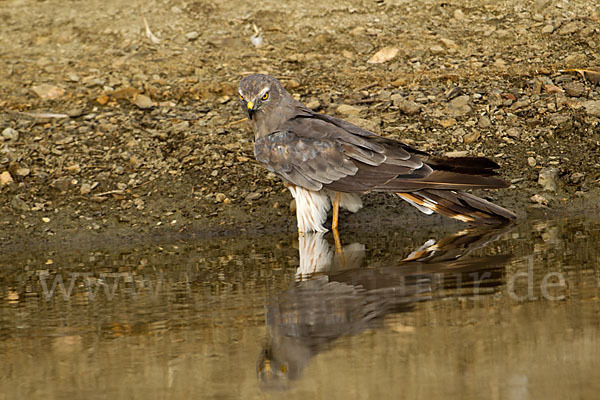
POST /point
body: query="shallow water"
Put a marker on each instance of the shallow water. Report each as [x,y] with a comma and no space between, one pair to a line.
[510,314]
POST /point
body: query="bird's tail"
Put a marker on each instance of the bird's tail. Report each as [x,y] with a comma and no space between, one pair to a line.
[458,205]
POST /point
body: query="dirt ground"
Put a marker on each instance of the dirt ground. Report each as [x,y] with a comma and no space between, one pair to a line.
[147,136]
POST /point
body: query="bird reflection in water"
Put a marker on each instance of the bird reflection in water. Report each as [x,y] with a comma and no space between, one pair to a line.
[335,295]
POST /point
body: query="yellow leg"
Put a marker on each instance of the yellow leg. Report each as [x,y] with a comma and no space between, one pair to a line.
[338,246]
[334,227]
[336,211]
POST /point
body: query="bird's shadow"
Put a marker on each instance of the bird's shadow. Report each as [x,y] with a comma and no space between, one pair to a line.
[335,295]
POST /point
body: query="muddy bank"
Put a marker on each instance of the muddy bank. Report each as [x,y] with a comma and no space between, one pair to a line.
[145,138]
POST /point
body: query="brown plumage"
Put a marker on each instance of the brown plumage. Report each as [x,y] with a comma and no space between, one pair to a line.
[322,157]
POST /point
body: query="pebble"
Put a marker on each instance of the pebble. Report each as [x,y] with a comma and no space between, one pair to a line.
[471,137]
[75,112]
[459,106]
[48,92]
[192,35]
[10,134]
[220,197]
[449,44]
[547,179]
[460,153]
[405,106]
[484,122]
[86,188]
[531,161]
[547,29]
[253,196]
[447,123]
[592,107]
[6,178]
[574,89]
[539,199]
[436,49]
[23,172]
[143,102]
[459,15]
[346,109]
[313,105]
[383,55]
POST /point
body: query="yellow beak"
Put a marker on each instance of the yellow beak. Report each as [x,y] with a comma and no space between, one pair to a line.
[250,105]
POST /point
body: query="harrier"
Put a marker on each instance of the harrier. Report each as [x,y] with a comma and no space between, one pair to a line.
[327,161]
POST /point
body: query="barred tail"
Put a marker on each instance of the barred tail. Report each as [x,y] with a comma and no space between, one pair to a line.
[458,205]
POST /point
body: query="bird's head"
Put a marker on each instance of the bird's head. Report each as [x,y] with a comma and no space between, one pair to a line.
[259,94]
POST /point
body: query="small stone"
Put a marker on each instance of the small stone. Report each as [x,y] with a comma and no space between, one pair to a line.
[436,49]
[313,105]
[383,55]
[18,204]
[61,184]
[461,153]
[220,197]
[548,29]
[253,196]
[143,102]
[22,172]
[10,134]
[539,199]
[574,89]
[102,99]
[192,35]
[447,123]
[484,122]
[592,107]
[531,161]
[547,179]
[459,106]
[292,84]
[75,112]
[407,107]
[346,109]
[459,15]
[48,92]
[575,59]
[45,219]
[86,188]
[73,78]
[471,137]
[569,28]
[449,44]
[539,5]
[5,178]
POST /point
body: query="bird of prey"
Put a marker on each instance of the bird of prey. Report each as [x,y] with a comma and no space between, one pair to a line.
[327,161]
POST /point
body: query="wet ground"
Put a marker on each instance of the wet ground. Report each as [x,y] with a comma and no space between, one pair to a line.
[511,313]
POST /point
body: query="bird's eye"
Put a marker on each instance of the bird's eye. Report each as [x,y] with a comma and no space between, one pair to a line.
[241,97]
[265,96]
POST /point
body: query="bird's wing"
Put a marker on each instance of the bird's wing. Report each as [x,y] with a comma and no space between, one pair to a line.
[314,153]
[309,163]
[317,151]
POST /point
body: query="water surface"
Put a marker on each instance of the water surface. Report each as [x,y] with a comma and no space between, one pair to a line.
[442,313]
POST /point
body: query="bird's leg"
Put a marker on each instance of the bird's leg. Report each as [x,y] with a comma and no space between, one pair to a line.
[334,227]
[336,211]
[338,246]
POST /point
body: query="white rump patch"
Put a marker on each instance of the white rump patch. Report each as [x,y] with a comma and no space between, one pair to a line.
[311,209]
[349,201]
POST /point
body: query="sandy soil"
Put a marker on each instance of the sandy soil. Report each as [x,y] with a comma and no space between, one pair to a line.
[150,139]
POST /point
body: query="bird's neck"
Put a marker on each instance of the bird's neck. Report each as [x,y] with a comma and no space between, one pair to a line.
[266,123]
